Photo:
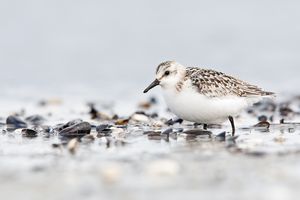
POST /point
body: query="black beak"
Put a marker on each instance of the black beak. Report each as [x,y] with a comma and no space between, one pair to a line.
[152,85]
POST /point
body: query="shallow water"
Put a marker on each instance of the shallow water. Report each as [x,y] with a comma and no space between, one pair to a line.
[261,164]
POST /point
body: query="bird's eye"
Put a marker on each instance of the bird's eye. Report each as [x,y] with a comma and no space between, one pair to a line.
[167,73]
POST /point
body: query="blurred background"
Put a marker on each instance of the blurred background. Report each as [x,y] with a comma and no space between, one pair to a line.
[112,47]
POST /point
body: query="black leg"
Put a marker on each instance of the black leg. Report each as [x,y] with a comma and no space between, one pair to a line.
[232,125]
[205,126]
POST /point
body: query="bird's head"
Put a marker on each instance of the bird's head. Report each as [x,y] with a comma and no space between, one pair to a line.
[168,74]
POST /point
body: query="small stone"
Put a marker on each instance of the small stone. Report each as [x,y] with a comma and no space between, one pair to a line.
[13,123]
[29,133]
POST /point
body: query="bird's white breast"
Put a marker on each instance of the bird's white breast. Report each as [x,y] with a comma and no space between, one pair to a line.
[190,105]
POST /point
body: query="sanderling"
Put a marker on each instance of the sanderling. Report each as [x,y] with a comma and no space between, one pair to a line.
[203,95]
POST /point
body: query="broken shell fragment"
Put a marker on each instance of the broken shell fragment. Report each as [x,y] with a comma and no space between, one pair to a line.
[122,122]
[73,145]
[154,135]
[198,132]
[140,118]
[13,123]
[221,137]
[77,130]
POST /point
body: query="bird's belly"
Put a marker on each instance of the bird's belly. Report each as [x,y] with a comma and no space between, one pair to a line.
[198,108]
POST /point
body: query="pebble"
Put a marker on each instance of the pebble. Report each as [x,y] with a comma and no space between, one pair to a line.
[29,133]
[76,130]
[13,123]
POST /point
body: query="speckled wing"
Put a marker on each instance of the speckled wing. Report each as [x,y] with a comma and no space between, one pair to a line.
[217,84]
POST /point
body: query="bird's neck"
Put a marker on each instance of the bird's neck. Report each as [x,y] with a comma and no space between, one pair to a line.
[177,83]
